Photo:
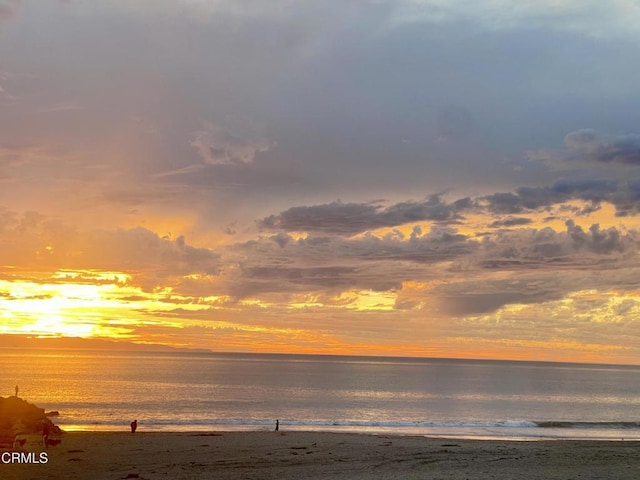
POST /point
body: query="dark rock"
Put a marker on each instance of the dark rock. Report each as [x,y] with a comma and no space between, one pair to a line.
[17,416]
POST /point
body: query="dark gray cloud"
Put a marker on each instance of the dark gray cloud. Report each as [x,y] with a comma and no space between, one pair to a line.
[342,219]
[627,199]
[588,148]
[504,203]
[353,218]
[338,218]
[546,249]
[598,241]
[265,279]
[524,199]
[592,146]
[530,266]
[439,244]
[624,195]
[256,277]
[279,263]
[482,303]
[511,222]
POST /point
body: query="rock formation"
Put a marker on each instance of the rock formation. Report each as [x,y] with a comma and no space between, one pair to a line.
[17,416]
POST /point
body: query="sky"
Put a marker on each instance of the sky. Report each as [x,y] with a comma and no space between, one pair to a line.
[435,178]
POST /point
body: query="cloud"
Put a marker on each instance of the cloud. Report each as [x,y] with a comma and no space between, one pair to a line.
[348,219]
[535,266]
[546,249]
[142,249]
[506,267]
[589,145]
[531,198]
[511,222]
[273,278]
[623,195]
[597,240]
[34,241]
[336,218]
[280,263]
[340,218]
[478,303]
[627,199]
[218,145]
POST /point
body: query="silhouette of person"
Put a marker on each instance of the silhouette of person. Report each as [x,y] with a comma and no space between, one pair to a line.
[277,425]
[17,390]
[45,432]
[134,425]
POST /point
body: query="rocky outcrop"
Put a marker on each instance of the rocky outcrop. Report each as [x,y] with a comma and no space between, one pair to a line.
[17,416]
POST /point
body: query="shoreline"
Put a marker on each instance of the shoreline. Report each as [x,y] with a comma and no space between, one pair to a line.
[473,433]
[322,455]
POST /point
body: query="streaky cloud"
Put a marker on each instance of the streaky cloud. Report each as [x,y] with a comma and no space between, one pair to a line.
[511,222]
[340,218]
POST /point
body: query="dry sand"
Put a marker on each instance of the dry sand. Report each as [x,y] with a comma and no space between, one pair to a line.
[315,455]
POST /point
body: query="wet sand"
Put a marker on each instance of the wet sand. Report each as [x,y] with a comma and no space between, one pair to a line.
[317,455]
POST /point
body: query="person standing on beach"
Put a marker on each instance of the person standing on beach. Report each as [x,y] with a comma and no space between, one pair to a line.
[45,432]
[17,390]
[277,425]
[134,426]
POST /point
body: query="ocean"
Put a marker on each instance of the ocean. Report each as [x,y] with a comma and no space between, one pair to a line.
[433,397]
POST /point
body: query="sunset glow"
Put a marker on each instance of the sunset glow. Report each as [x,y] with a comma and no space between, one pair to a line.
[416,179]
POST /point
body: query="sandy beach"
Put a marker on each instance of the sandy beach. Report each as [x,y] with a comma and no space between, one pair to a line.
[316,455]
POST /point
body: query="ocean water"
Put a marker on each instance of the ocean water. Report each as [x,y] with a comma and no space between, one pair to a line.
[435,397]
